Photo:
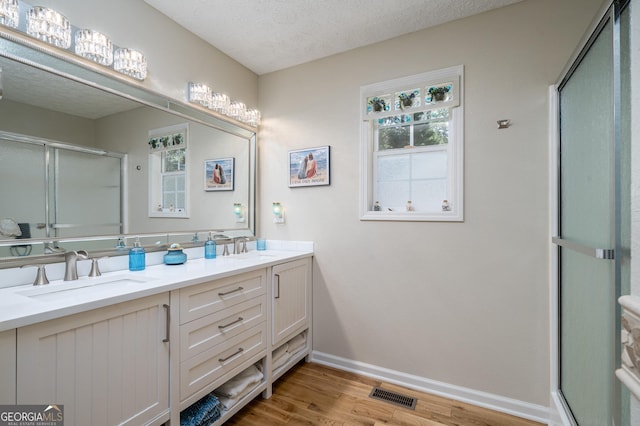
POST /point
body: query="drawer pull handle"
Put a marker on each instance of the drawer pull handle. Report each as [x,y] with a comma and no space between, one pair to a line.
[238,352]
[167,324]
[277,285]
[222,327]
[231,291]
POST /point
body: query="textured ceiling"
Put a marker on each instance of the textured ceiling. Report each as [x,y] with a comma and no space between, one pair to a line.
[268,35]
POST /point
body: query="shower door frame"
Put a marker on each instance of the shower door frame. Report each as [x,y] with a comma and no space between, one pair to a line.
[560,412]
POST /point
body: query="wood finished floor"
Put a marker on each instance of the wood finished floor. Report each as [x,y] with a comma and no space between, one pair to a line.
[312,394]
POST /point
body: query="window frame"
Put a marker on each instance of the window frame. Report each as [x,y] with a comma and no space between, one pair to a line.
[454,148]
[157,173]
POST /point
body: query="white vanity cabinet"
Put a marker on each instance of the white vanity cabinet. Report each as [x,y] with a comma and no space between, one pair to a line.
[291,300]
[107,366]
[8,367]
[146,359]
[291,333]
[222,331]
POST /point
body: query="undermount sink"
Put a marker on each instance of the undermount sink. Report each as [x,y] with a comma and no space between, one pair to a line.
[253,255]
[98,285]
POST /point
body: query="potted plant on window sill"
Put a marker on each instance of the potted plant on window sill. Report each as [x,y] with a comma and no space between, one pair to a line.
[438,94]
[406,100]
[378,104]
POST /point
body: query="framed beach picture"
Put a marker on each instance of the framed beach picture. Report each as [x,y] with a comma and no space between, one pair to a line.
[309,167]
[219,174]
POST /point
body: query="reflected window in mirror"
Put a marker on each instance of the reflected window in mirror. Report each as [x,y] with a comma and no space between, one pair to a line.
[168,174]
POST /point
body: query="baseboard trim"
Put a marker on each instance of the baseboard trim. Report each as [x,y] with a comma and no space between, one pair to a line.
[514,407]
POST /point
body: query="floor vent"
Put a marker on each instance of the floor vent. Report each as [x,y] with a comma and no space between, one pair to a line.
[393,397]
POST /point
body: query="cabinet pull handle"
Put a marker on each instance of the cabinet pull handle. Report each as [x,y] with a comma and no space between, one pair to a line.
[231,291]
[222,327]
[277,285]
[166,332]
[238,352]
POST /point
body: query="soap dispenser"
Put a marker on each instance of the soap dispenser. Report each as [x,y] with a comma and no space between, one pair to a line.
[210,248]
[137,256]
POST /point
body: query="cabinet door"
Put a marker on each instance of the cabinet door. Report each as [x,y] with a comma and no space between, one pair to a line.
[8,367]
[108,366]
[291,293]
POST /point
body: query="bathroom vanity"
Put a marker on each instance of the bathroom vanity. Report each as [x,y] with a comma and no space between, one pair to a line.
[140,347]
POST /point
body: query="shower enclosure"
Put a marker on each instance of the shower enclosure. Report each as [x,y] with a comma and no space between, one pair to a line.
[592,237]
[54,190]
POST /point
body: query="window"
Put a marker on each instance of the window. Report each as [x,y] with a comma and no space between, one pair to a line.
[168,172]
[412,148]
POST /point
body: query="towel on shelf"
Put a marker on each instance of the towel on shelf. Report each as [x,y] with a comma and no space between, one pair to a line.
[228,403]
[204,412]
[280,361]
[246,379]
[280,352]
[297,343]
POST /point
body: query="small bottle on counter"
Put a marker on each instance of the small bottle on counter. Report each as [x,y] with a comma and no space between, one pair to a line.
[210,248]
[137,257]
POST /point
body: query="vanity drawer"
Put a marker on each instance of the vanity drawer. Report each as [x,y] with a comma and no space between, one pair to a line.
[204,333]
[207,298]
[204,368]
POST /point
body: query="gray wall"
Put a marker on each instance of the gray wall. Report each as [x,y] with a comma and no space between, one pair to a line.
[461,303]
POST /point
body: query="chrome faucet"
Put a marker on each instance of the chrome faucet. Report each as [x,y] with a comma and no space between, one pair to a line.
[236,245]
[71,263]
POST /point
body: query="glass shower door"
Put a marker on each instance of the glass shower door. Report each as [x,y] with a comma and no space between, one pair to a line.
[586,235]
[87,190]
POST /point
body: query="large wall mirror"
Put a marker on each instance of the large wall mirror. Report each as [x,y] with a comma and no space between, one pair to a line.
[75,152]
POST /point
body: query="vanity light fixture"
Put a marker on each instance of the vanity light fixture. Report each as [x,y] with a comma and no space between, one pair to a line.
[95,46]
[237,110]
[238,210]
[130,62]
[253,117]
[9,14]
[278,213]
[49,26]
[220,102]
[201,94]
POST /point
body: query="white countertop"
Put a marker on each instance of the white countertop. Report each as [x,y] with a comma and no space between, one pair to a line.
[27,304]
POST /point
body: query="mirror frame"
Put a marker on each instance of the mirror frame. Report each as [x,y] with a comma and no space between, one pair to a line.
[32,52]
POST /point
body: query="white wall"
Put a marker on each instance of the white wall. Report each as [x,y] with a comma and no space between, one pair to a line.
[461,303]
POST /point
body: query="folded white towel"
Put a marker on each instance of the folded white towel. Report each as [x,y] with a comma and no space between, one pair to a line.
[228,403]
[281,351]
[297,343]
[246,379]
[280,361]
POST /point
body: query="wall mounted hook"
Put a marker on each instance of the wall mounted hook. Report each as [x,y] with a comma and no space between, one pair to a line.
[504,124]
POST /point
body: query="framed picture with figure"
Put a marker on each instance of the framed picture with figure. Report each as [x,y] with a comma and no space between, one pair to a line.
[219,174]
[309,167]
